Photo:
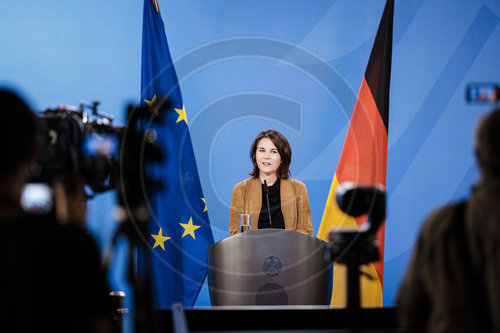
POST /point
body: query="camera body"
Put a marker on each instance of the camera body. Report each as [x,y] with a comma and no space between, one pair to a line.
[83,145]
[75,143]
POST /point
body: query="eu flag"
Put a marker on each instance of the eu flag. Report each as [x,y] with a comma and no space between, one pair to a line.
[180,230]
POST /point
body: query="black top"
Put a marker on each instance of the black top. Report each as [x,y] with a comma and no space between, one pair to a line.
[275,203]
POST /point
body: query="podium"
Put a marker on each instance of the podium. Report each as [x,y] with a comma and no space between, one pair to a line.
[269,267]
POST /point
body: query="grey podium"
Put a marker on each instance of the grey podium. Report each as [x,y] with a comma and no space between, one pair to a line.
[269,267]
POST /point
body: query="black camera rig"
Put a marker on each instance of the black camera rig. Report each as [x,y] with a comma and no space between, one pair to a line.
[77,142]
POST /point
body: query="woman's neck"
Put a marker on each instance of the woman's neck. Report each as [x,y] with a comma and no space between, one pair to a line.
[270,179]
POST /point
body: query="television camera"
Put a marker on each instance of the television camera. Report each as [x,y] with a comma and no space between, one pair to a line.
[83,142]
[74,143]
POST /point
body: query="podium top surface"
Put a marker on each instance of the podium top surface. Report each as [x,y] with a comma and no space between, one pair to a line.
[270,233]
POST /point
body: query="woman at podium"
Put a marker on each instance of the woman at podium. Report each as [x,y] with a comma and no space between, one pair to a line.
[270,196]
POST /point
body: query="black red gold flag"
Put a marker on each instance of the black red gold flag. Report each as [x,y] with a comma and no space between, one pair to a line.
[364,158]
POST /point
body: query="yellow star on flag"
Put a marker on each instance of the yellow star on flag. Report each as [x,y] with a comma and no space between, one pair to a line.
[182,114]
[160,239]
[189,228]
[152,104]
[204,210]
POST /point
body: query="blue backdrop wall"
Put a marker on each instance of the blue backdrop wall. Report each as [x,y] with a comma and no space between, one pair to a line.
[296,66]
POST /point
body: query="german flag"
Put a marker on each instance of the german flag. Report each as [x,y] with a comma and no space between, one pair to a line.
[364,159]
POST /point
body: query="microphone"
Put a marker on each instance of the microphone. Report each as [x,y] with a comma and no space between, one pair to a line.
[355,201]
[266,191]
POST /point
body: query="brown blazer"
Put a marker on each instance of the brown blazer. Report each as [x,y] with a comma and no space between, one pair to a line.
[247,199]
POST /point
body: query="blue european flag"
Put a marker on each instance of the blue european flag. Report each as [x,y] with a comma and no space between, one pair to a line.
[180,230]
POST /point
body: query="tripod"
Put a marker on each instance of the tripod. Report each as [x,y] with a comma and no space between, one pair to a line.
[355,247]
[133,189]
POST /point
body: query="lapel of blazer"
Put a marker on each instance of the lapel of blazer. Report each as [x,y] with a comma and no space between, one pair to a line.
[254,201]
[288,206]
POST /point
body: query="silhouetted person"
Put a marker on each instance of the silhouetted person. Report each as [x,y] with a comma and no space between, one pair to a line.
[452,284]
[50,274]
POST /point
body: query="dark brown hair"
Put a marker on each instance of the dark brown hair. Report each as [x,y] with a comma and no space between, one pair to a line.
[488,143]
[19,124]
[284,150]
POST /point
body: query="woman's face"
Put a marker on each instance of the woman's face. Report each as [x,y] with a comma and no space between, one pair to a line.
[267,156]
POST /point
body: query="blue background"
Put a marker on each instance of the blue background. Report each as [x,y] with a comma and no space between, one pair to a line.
[296,66]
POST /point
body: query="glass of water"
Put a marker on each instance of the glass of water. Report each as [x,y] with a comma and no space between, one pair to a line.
[244,222]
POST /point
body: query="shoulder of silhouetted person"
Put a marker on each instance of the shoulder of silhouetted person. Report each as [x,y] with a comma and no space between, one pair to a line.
[51,276]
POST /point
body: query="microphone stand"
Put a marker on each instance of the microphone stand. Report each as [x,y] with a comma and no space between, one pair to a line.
[266,190]
[356,247]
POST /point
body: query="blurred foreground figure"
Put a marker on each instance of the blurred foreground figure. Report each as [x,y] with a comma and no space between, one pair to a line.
[50,278]
[452,284]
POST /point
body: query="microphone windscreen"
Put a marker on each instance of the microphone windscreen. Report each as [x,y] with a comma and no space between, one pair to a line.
[356,201]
